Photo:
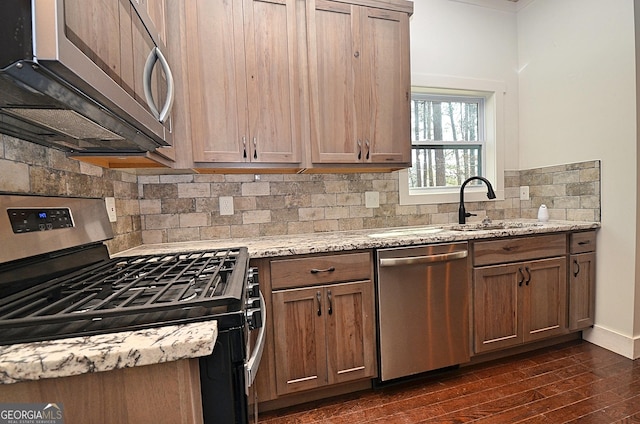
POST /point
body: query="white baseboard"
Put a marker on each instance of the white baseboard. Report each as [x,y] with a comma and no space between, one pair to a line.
[619,343]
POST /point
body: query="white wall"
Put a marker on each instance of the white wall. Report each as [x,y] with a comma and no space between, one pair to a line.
[578,102]
[461,40]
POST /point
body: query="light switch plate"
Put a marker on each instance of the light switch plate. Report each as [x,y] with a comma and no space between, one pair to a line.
[226,205]
[372,199]
[110,203]
[524,192]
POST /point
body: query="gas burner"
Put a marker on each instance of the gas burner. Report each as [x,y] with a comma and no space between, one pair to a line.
[134,291]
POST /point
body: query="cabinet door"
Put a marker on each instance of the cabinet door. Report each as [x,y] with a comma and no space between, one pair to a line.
[360,84]
[270,38]
[217,102]
[582,280]
[545,303]
[497,307]
[243,81]
[385,78]
[350,331]
[300,347]
[333,55]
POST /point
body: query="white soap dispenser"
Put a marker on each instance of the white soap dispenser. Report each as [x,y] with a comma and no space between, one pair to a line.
[543,213]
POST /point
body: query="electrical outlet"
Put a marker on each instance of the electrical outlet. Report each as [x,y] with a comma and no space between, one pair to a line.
[110,203]
[524,192]
[226,205]
[371,199]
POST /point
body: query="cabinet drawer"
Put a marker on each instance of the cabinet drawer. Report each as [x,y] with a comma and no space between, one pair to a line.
[297,272]
[583,242]
[519,249]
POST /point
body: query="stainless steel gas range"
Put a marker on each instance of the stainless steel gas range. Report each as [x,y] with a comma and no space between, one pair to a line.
[57,280]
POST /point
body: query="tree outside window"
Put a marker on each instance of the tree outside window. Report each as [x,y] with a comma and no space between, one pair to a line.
[448,140]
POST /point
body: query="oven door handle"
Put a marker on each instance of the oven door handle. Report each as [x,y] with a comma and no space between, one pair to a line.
[251,366]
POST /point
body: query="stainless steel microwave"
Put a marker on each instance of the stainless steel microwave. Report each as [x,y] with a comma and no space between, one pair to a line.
[85,76]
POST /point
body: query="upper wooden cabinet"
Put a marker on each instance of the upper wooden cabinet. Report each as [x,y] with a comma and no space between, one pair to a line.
[243,81]
[359,79]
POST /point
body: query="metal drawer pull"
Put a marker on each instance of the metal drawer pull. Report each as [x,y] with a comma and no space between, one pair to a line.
[414,260]
[319,303]
[316,271]
[581,243]
[577,268]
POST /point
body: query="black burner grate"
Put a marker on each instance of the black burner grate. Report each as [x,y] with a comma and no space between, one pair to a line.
[139,287]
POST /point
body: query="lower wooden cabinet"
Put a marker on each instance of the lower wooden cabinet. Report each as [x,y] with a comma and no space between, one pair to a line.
[582,280]
[321,338]
[518,303]
[518,298]
[324,335]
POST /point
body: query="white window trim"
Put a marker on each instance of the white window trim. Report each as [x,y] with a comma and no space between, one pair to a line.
[494,154]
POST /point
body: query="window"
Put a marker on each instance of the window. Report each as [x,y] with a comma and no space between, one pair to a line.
[447,138]
[456,134]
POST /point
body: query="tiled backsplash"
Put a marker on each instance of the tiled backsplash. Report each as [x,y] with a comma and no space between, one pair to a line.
[186,207]
[183,207]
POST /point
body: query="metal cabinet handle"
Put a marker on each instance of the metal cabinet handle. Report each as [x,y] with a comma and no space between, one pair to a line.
[316,271]
[255,148]
[521,280]
[526,268]
[244,147]
[359,149]
[368,149]
[318,296]
[582,243]
[330,310]
[577,268]
[413,260]
[156,56]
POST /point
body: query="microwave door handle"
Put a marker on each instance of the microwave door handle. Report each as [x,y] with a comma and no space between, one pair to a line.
[251,366]
[156,56]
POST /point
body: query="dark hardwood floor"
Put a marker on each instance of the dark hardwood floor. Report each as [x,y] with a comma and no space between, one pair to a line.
[575,382]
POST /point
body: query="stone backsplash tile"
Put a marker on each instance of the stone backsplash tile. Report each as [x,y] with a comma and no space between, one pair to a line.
[183,207]
[292,204]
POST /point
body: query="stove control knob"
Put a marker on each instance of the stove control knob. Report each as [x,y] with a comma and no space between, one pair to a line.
[253,283]
[253,302]
[253,275]
[254,319]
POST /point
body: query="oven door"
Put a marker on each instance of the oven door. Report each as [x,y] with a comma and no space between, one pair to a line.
[226,376]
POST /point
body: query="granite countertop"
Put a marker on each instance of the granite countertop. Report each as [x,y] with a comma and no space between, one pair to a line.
[287,245]
[81,355]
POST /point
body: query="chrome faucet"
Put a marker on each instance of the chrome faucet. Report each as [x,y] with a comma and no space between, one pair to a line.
[462,213]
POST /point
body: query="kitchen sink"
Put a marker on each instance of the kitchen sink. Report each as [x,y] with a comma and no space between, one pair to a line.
[501,225]
[411,231]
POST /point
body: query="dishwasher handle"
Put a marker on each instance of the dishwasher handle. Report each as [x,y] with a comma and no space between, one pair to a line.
[416,260]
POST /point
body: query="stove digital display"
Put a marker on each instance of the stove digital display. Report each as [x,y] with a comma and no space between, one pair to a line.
[29,220]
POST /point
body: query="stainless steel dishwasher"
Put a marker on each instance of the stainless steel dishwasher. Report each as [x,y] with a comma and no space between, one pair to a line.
[423,308]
